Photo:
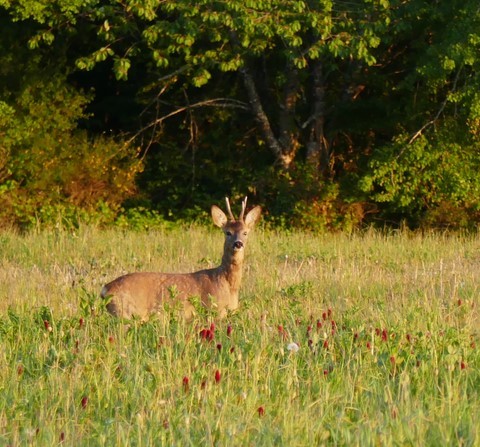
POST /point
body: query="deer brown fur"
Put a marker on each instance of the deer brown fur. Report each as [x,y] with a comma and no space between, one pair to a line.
[141,294]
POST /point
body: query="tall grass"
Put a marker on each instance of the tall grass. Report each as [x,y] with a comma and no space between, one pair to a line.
[361,340]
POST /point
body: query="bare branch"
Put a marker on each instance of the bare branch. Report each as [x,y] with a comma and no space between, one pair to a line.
[440,111]
[216,102]
[261,116]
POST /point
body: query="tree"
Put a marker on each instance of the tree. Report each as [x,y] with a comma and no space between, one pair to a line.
[427,173]
[287,53]
[341,108]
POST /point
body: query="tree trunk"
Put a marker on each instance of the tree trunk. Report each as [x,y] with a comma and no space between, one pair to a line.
[318,155]
[288,127]
[285,147]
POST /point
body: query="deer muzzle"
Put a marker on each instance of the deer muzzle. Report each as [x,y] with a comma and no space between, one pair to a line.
[237,245]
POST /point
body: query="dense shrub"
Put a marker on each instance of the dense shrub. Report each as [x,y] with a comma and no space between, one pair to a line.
[49,168]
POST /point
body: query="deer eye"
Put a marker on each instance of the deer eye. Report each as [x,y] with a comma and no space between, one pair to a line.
[245,233]
[228,233]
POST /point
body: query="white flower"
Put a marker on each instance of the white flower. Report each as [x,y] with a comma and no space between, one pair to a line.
[293,347]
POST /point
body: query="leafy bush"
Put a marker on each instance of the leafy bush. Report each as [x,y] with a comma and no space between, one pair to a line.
[433,181]
[49,167]
[301,198]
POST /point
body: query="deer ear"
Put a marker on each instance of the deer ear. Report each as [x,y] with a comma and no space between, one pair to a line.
[253,216]
[218,216]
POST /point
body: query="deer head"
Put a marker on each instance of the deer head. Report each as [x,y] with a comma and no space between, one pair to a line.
[235,230]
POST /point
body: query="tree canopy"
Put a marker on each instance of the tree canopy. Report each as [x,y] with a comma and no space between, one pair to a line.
[331,113]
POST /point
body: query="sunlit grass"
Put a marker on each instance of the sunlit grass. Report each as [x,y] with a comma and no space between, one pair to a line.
[386,325]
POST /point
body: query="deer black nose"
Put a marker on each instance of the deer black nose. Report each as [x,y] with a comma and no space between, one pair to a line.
[237,245]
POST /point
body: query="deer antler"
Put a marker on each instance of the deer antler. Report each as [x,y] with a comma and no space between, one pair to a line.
[229,210]
[244,206]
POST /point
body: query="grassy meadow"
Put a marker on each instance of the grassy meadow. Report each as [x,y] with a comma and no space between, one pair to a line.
[361,340]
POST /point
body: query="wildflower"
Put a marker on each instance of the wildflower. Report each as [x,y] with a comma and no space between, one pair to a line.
[84,402]
[325,344]
[293,347]
[229,330]
[203,334]
[319,325]
[384,335]
[218,376]
[208,334]
[185,383]
[111,339]
[47,326]
[81,322]
[219,346]
[462,365]
[62,437]
[261,411]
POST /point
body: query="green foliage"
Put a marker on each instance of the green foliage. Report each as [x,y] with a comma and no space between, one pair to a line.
[301,198]
[428,172]
[420,176]
[49,168]
[140,218]
[377,99]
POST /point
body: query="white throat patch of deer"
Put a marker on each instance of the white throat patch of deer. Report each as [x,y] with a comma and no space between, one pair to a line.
[142,294]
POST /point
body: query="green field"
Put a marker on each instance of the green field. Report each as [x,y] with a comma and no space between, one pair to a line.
[387,329]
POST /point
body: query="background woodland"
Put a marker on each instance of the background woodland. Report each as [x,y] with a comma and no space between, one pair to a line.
[330,114]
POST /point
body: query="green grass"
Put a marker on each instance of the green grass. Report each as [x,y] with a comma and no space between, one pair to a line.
[401,366]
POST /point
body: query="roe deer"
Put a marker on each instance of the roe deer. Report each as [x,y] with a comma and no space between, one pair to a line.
[142,294]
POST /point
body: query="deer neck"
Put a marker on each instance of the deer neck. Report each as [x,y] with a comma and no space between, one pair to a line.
[232,269]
